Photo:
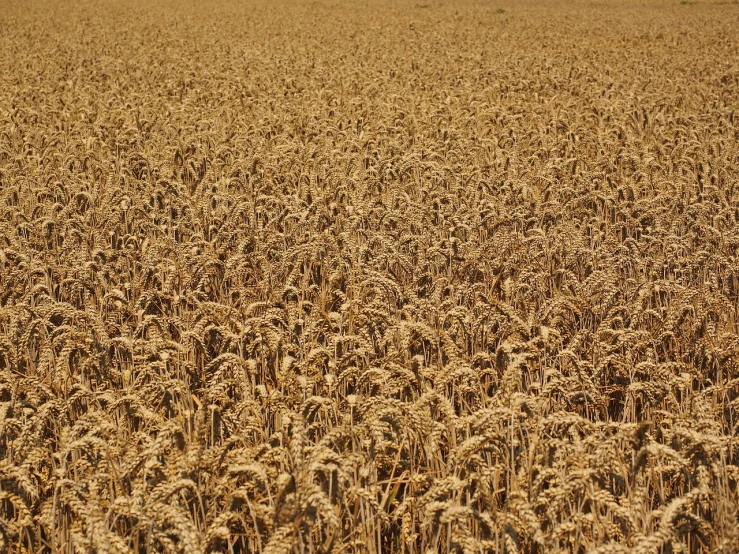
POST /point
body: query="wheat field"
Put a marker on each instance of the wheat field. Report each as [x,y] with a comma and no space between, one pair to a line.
[369,276]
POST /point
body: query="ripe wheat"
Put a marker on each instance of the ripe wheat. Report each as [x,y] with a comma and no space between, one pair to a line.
[370,277]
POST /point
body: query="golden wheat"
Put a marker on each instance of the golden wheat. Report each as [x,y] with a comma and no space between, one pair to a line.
[369,277]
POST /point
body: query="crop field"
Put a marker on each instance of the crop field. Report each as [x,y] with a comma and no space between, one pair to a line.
[369,276]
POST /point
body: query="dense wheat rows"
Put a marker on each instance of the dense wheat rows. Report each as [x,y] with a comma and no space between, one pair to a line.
[359,277]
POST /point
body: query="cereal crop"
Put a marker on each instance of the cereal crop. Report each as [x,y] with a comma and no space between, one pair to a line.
[369,276]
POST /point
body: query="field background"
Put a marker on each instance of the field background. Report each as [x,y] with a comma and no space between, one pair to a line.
[311,277]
